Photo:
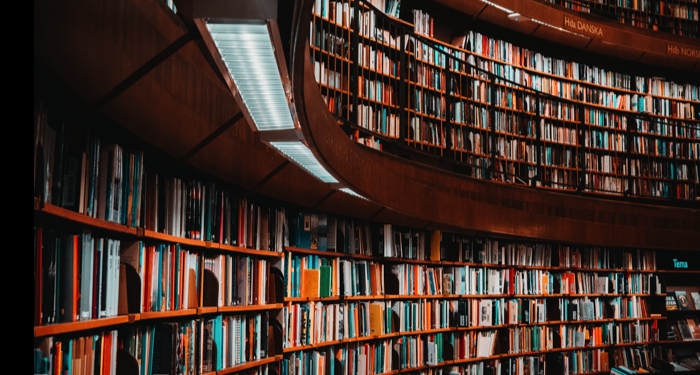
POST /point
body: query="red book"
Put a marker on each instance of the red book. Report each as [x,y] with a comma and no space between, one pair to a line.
[37,278]
[511,281]
[107,354]
[76,290]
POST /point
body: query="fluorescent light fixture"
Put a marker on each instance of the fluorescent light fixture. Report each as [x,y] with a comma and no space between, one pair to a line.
[247,51]
[301,154]
[518,17]
[348,191]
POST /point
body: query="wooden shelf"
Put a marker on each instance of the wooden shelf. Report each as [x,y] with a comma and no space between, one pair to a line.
[249,365]
[229,309]
[312,299]
[139,233]
[165,314]
[68,215]
[241,250]
[60,328]
[207,310]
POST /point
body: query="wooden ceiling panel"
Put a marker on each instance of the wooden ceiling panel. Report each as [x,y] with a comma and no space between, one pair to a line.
[235,160]
[499,17]
[293,184]
[347,205]
[93,46]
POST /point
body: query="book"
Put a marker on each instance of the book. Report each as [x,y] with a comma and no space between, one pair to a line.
[682,299]
[684,330]
[696,299]
[310,283]
[671,303]
[693,326]
[376,319]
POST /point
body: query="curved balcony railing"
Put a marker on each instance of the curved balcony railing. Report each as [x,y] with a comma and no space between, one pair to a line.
[498,112]
[679,17]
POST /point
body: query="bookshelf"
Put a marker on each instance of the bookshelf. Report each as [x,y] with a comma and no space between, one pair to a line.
[677,17]
[130,258]
[511,114]
[49,216]
[308,318]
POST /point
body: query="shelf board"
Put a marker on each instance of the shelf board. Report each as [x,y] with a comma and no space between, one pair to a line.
[242,250]
[331,253]
[149,234]
[140,233]
[311,299]
[315,252]
[165,314]
[229,309]
[249,365]
[60,328]
[78,218]
[207,310]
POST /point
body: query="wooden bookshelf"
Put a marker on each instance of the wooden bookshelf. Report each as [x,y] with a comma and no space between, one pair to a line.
[77,218]
[249,365]
[74,327]
[234,309]
[555,176]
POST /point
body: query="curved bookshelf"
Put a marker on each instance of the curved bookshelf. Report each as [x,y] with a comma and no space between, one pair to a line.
[582,166]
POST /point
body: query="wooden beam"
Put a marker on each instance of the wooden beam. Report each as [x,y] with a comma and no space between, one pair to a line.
[141,72]
[210,138]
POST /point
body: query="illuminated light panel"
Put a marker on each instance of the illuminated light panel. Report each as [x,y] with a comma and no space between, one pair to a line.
[249,57]
[301,154]
[349,191]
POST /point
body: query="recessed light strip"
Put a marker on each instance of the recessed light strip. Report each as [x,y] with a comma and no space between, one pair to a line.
[348,191]
[301,154]
[247,51]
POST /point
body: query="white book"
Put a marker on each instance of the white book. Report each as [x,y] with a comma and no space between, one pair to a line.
[485,313]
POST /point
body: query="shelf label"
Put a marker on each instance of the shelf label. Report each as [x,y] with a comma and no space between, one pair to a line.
[683,51]
[582,27]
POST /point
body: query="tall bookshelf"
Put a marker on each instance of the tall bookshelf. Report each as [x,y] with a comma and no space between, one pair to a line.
[408,290]
[140,267]
[508,113]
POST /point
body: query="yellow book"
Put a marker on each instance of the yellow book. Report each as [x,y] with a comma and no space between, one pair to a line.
[376,319]
[309,288]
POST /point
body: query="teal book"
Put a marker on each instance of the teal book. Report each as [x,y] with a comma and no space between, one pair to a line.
[303,232]
[68,358]
[152,335]
[325,283]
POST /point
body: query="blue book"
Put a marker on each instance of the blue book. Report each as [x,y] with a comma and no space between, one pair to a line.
[219,343]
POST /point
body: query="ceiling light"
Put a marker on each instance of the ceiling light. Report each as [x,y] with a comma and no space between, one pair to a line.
[247,52]
[301,155]
[518,17]
[348,191]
